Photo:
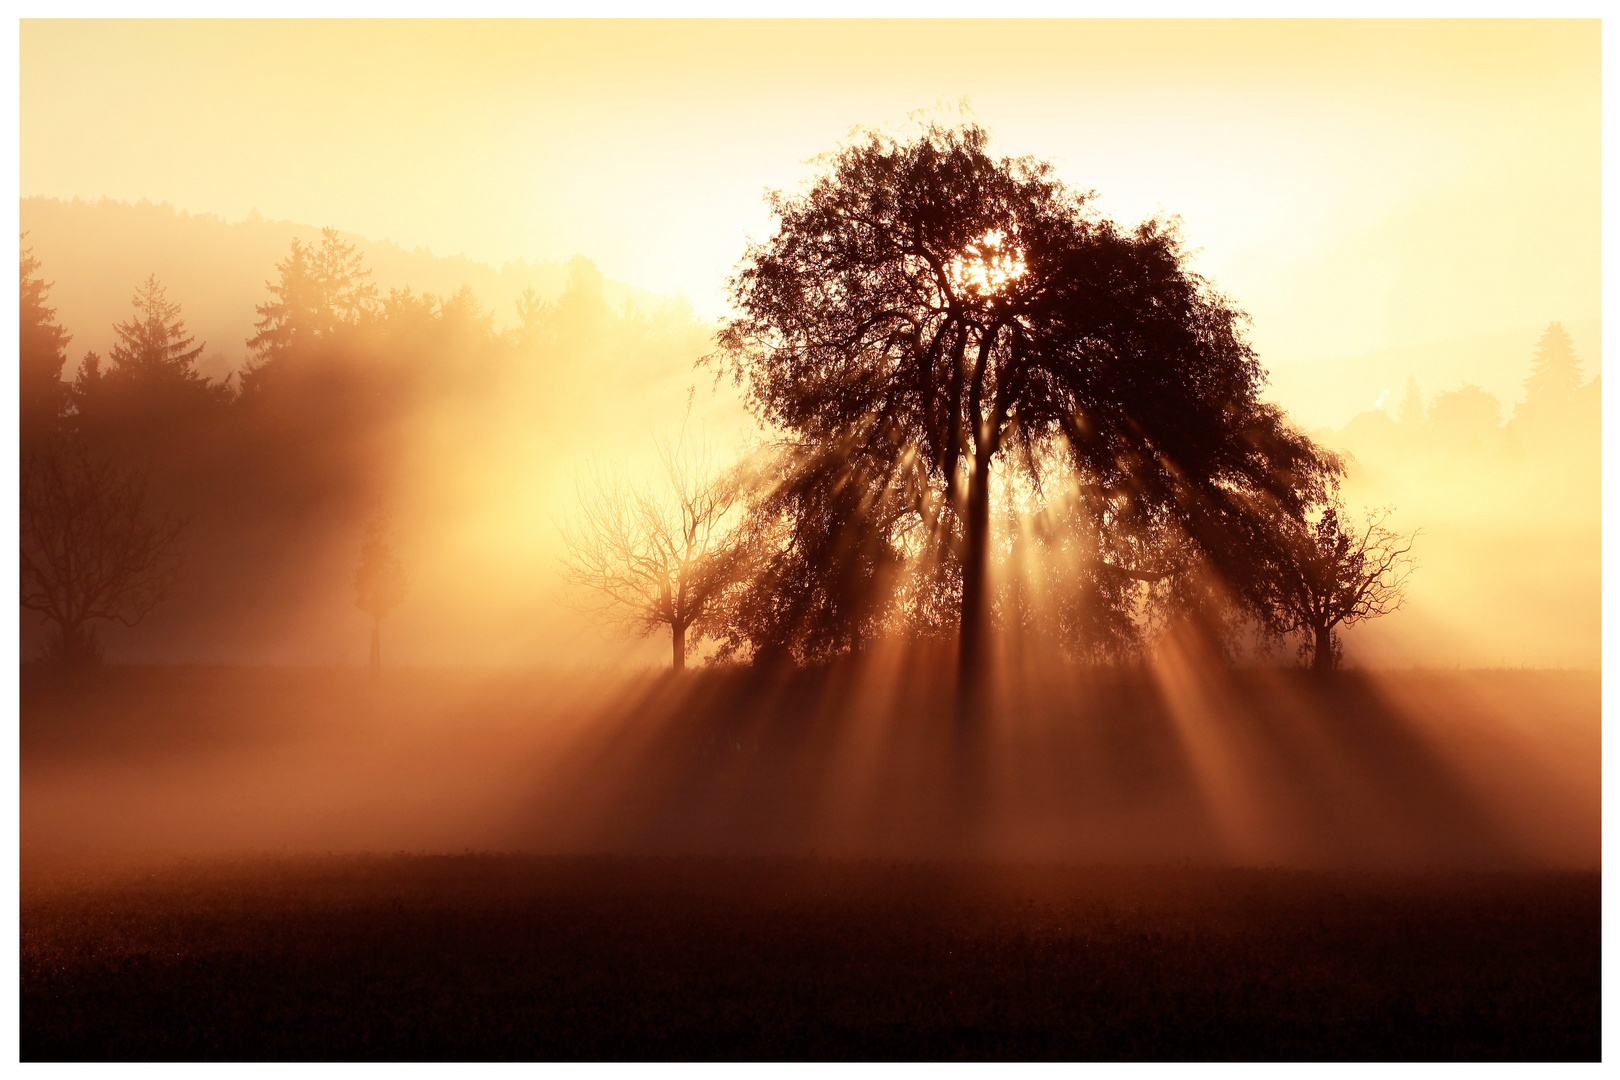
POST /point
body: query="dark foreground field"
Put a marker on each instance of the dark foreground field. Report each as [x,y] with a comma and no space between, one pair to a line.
[729,865]
[490,957]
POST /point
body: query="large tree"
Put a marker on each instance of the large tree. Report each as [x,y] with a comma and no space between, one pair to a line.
[948,310]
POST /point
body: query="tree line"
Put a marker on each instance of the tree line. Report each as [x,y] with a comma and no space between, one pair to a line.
[248,480]
[1559,407]
[991,411]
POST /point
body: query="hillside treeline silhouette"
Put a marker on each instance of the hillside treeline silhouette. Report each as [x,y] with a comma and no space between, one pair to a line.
[1561,411]
[98,250]
[350,402]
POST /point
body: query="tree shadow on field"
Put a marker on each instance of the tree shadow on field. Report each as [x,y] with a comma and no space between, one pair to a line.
[727,759]
[1347,775]
[859,758]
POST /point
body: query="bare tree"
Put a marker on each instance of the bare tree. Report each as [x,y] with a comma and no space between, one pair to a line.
[648,558]
[1326,574]
[89,549]
[380,582]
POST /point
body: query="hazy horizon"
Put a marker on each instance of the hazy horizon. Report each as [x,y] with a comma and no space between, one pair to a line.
[103,266]
[1353,162]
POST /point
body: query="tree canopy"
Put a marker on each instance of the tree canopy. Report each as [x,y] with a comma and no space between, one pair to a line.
[941,311]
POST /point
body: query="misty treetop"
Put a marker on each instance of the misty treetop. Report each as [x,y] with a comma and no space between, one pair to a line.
[154,345]
[1555,373]
[321,291]
[278,468]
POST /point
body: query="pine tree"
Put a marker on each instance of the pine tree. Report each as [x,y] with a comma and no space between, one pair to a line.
[41,353]
[323,291]
[149,394]
[1411,407]
[1555,373]
[536,322]
[154,345]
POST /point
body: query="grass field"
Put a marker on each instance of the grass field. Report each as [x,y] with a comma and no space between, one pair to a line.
[1263,868]
[485,957]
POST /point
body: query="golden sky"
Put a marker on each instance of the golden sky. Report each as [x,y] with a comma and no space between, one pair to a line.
[1353,185]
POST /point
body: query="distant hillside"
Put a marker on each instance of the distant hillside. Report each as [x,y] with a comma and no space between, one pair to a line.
[1328,393]
[95,253]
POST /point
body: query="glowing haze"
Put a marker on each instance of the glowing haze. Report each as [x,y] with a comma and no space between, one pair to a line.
[1353,185]
[1356,187]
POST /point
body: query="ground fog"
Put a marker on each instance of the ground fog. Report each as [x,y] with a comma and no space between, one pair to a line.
[1148,766]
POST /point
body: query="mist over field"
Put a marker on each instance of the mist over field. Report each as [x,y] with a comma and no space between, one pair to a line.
[1454,769]
[710,539]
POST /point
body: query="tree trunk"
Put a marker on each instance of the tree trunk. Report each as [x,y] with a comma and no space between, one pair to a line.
[973,644]
[73,646]
[376,648]
[677,635]
[1323,660]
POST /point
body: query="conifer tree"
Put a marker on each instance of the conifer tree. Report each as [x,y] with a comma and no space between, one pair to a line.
[41,353]
[150,393]
[154,346]
[534,320]
[322,293]
[1555,373]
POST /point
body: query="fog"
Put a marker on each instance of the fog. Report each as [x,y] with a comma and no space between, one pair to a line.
[470,441]
[977,519]
[237,716]
[479,455]
[1163,766]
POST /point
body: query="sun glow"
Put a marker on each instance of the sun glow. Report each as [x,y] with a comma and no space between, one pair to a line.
[989,265]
